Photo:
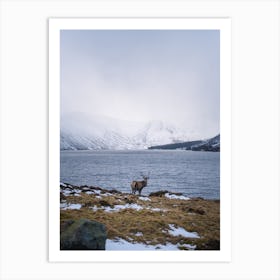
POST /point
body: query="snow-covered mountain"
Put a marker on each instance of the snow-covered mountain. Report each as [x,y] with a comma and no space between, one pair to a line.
[155,132]
[80,131]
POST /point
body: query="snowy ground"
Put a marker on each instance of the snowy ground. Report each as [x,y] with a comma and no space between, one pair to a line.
[117,208]
[123,245]
[174,196]
[179,231]
[120,207]
[144,198]
[66,206]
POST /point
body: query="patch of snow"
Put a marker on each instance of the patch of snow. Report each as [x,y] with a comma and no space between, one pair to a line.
[122,207]
[90,192]
[144,198]
[77,193]
[117,208]
[179,231]
[174,196]
[62,184]
[74,192]
[138,234]
[123,245]
[63,204]
[95,208]
[188,246]
[67,192]
[106,194]
[70,206]
[98,192]
[134,206]
[157,209]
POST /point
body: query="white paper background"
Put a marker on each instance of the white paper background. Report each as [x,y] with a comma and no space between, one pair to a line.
[255,139]
[224,27]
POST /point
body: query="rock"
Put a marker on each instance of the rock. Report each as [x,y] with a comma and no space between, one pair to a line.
[104,203]
[90,204]
[159,193]
[66,187]
[162,193]
[65,224]
[85,190]
[176,193]
[197,198]
[199,210]
[130,199]
[96,188]
[114,191]
[62,196]
[82,234]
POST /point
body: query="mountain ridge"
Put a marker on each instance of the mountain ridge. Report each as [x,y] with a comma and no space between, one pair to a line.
[80,131]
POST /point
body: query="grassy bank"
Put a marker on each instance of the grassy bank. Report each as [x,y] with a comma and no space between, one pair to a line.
[160,219]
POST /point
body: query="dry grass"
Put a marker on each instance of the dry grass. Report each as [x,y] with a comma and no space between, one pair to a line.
[195,215]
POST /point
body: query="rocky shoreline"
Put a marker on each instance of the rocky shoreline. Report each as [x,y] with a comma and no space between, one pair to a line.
[93,218]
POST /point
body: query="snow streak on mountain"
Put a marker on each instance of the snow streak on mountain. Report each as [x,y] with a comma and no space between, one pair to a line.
[80,131]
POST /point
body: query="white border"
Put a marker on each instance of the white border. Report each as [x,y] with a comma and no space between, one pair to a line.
[222,24]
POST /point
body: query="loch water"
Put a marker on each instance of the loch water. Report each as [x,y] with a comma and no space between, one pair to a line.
[193,173]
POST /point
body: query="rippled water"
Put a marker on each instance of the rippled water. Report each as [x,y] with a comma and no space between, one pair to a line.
[192,173]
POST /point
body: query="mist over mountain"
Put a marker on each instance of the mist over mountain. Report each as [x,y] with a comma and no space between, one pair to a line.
[80,131]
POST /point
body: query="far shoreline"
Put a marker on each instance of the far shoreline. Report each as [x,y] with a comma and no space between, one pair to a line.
[138,150]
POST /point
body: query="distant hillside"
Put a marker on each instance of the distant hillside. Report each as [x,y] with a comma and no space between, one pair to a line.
[80,131]
[212,145]
[183,146]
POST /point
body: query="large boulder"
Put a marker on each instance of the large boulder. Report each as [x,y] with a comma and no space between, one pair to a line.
[82,234]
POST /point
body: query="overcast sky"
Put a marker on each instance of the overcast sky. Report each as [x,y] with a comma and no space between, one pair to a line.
[143,75]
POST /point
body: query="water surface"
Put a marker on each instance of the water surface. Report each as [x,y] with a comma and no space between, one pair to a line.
[191,173]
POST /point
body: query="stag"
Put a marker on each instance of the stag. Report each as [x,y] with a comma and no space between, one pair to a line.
[139,185]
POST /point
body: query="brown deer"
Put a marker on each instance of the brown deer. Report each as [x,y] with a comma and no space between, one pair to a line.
[139,185]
